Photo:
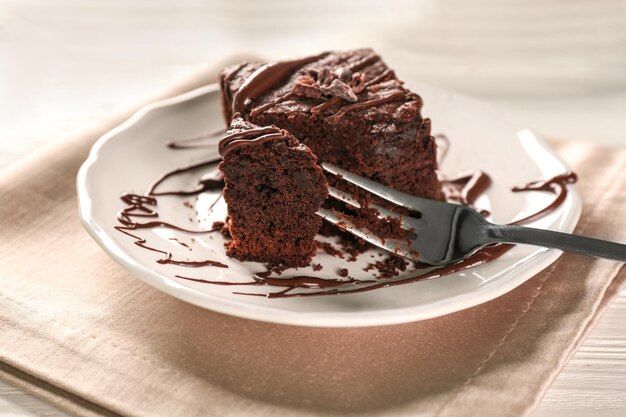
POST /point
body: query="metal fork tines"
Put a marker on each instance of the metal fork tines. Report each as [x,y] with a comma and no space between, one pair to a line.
[447,232]
[415,227]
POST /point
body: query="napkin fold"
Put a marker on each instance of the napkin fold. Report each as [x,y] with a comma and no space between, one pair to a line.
[79,331]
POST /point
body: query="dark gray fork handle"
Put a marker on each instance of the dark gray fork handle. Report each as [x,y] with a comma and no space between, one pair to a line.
[556,240]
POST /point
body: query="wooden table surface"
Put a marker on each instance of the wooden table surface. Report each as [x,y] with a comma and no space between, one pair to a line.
[557,66]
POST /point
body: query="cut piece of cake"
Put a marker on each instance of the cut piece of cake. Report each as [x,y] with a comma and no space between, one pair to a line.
[348,107]
[273,188]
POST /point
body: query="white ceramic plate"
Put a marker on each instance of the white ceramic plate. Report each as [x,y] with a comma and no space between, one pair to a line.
[130,157]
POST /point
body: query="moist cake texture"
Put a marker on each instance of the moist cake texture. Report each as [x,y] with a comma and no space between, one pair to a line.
[348,107]
[273,188]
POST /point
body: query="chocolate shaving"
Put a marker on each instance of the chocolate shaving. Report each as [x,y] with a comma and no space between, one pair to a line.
[338,88]
[343,73]
[341,83]
[306,86]
[324,76]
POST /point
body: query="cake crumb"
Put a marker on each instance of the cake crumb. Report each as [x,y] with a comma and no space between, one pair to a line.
[389,267]
[329,249]
[223,229]
[276,269]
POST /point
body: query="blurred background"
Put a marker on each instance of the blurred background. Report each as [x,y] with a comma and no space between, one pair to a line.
[558,66]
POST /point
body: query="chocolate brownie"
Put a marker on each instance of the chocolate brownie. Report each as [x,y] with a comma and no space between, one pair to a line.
[273,188]
[348,107]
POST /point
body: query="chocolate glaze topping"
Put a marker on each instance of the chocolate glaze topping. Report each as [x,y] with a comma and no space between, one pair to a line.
[269,104]
[263,79]
[369,103]
[381,77]
[320,108]
[341,91]
[255,135]
[226,95]
[368,60]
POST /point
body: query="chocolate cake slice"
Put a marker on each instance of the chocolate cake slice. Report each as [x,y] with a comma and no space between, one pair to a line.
[348,107]
[273,188]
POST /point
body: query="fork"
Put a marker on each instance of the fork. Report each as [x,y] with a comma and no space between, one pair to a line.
[444,232]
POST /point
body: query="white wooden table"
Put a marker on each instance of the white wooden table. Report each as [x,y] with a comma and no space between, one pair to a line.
[557,65]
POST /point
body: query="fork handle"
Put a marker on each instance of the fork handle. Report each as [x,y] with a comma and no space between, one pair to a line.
[557,240]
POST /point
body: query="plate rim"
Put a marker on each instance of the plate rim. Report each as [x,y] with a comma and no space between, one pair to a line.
[449,305]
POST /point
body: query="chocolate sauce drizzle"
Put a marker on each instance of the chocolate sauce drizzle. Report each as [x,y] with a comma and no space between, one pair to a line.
[338,286]
[257,135]
[271,74]
[364,62]
[203,185]
[263,79]
[290,284]
[369,103]
[380,77]
[474,184]
[181,243]
[270,104]
[202,141]
[326,105]
[144,207]
[466,188]
[225,78]
[556,185]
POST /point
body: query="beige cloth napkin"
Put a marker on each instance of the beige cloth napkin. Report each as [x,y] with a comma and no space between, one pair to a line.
[79,331]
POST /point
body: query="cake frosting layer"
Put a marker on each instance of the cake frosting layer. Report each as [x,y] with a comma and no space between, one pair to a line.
[348,107]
